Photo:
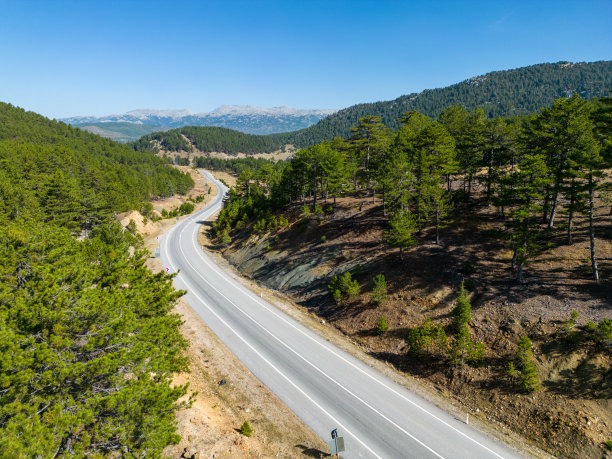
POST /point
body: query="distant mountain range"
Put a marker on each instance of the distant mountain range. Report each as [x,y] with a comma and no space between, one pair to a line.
[243,118]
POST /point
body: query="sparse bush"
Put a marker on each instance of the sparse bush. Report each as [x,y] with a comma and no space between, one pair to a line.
[469,285]
[186,208]
[343,287]
[528,377]
[131,226]
[511,370]
[465,350]
[427,338]
[260,226]
[318,210]
[164,213]
[382,326]
[282,221]
[246,429]
[305,214]
[608,444]
[379,292]
[323,239]
[462,312]
[224,238]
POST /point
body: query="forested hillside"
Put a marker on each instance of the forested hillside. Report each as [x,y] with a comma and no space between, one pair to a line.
[505,93]
[87,341]
[390,236]
[209,139]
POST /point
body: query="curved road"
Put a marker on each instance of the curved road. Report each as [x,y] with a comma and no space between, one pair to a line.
[323,385]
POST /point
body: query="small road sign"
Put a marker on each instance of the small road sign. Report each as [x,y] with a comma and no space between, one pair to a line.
[337,444]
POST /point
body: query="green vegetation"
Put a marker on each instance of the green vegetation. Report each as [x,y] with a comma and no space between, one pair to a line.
[415,171]
[209,139]
[462,312]
[234,165]
[508,93]
[528,377]
[379,290]
[344,288]
[382,325]
[88,343]
[246,429]
[119,131]
[428,339]
[72,178]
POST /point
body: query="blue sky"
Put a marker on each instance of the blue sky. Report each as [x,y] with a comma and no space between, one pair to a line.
[81,57]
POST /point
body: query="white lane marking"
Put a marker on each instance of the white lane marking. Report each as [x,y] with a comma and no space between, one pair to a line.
[194,293]
[197,273]
[308,361]
[329,349]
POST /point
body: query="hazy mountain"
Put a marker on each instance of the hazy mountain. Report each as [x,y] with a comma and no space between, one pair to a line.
[244,118]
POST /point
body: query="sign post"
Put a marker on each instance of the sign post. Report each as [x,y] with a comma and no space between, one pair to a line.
[336,446]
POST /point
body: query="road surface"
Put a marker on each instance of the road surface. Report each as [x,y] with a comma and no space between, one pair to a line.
[323,385]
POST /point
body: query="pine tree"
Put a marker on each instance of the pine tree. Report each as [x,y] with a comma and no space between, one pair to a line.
[379,291]
[401,232]
[462,312]
[528,374]
[529,182]
[382,325]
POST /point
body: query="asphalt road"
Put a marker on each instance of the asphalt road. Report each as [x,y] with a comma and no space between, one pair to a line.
[326,387]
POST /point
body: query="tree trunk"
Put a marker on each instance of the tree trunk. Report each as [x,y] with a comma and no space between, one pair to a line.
[438,226]
[570,222]
[314,201]
[553,211]
[523,256]
[489,180]
[383,202]
[592,230]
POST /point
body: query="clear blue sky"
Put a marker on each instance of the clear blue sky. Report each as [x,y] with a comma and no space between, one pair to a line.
[81,57]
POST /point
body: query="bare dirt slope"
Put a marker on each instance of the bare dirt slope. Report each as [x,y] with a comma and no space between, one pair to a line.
[571,416]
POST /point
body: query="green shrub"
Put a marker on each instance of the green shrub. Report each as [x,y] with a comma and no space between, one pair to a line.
[462,312]
[260,226]
[469,284]
[427,339]
[464,350]
[528,377]
[345,285]
[382,326]
[379,292]
[224,238]
[323,239]
[246,429]
[608,444]
[186,208]
[131,227]
[305,214]
[318,210]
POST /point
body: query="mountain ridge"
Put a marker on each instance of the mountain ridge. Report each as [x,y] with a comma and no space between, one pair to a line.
[503,93]
[244,118]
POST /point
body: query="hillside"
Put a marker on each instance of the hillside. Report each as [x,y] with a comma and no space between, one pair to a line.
[119,131]
[504,93]
[471,253]
[88,342]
